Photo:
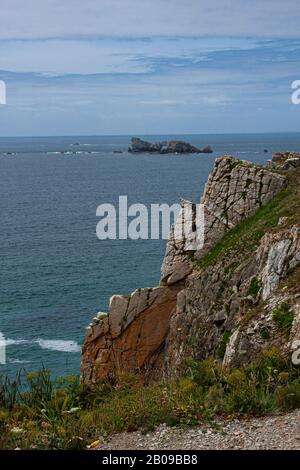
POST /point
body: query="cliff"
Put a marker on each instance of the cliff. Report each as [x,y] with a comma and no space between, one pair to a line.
[235,296]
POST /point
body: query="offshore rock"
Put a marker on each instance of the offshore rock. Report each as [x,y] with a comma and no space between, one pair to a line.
[173,146]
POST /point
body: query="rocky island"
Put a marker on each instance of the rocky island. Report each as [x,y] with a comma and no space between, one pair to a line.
[231,300]
[172,146]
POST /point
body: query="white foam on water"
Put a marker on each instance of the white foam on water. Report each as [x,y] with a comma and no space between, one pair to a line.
[59,345]
[12,342]
[50,344]
[18,361]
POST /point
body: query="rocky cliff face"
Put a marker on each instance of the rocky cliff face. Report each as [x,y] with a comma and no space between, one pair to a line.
[237,294]
[131,337]
[235,190]
[226,308]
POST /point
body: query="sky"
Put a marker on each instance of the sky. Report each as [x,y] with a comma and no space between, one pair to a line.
[100,67]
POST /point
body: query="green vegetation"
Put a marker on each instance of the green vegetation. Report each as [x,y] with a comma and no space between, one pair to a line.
[223,343]
[265,333]
[283,317]
[234,164]
[245,237]
[254,288]
[36,413]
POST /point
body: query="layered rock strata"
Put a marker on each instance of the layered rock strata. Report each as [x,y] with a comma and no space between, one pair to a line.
[222,308]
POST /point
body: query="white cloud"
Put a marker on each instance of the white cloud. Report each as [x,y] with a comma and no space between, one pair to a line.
[217,100]
[161,102]
[147,18]
[54,57]
[104,66]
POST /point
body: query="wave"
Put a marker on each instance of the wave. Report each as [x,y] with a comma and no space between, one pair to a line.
[83,145]
[67,152]
[18,361]
[247,152]
[12,342]
[59,345]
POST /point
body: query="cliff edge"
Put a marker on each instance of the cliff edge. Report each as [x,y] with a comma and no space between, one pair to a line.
[234,297]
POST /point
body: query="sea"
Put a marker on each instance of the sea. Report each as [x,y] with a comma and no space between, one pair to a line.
[55,274]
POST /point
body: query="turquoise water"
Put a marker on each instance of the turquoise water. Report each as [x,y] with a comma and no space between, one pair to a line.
[55,274]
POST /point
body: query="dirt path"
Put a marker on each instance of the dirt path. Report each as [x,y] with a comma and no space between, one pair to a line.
[276,432]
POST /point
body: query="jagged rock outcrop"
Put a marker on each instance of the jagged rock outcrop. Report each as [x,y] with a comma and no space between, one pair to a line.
[235,190]
[131,337]
[278,253]
[285,160]
[173,146]
[218,303]
[182,240]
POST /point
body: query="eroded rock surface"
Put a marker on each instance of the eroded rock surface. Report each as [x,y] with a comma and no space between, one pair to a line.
[235,190]
[182,241]
[222,308]
[131,337]
[285,160]
[218,301]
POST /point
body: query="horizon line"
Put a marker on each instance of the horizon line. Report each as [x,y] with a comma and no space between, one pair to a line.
[143,135]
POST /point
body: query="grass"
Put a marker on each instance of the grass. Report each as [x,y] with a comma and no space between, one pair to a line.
[254,288]
[283,318]
[223,343]
[36,413]
[246,236]
[265,333]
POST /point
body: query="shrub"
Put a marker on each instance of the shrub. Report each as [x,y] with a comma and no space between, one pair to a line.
[223,343]
[74,415]
[206,373]
[288,396]
[9,391]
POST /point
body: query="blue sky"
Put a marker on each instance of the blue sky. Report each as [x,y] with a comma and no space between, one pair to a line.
[147,67]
